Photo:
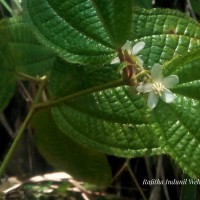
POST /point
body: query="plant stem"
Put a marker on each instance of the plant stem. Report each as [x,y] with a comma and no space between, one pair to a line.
[21,131]
[136,182]
[17,3]
[124,167]
[142,73]
[15,142]
[37,105]
[6,5]
[51,103]
[29,78]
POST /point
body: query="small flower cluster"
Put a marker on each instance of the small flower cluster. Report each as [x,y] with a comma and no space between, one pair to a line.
[157,86]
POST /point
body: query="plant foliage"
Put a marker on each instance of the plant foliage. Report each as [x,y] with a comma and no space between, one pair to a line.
[76,42]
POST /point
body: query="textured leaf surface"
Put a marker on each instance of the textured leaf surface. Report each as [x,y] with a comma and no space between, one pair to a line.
[118,122]
[23,51]
[167,34]
[66,78]
[112,121]
[81,31]
[65,154]
[179,122]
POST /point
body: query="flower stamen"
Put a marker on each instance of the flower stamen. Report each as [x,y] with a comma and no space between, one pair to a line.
[158,88]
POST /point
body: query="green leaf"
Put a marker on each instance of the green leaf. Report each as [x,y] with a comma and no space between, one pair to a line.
[187,68]
[115,17]
[65,154]
[167,33]
[82,31]
[118,122]
[26,55]
[121,139]
[7,81]
[112,121]
[66,78]
[179,122]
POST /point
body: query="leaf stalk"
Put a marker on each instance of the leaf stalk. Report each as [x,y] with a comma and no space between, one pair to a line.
[21,131]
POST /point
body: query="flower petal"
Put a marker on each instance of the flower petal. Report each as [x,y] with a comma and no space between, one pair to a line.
[140,87]
[170,81]
[138,47]
[115,61]
[167,96]
[144,88]
[127,46]
[156,73]
[152,100]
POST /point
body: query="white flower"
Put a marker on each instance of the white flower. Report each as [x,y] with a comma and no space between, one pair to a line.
[158,87]
[131,51]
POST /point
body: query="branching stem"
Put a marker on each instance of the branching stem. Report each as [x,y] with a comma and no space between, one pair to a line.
[21,131]
[29,78]
[51,103]
[37,105]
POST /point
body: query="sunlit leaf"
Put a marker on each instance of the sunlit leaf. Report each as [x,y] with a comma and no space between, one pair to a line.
[118,122]
[81,31]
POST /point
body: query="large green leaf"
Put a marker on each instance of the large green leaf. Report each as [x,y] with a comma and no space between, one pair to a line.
[169,34]
[112,121]
[81,31]
[179,122]
[26,55]
[66,78]
[65,154]
[166,33]
[118,122]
